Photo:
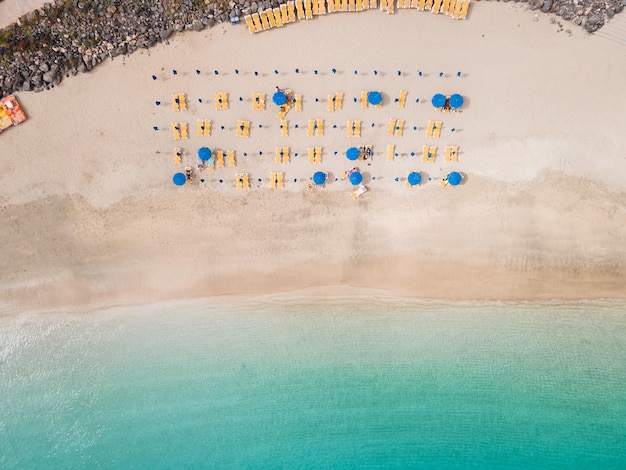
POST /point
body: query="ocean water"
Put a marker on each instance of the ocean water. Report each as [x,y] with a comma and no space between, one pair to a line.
[286,382]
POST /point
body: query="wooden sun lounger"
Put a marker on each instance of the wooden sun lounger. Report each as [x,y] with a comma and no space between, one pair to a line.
[239,181]
[429,153]
[351,5]
[285,154]
[391,127]
[344,5]
[278,17]
[338,101]
[331,103]
[444,7]
[175,103]
[178,156]
[279,180]
[298,102]
[269,13]
[402,99]
[284,15]
[221,100]
[437,129]
[246,181]
[200,128]
[176,130]
[320,127]
[391,149]
[311,130]
[354,128]
[322,7]
[331,6]
[219,159]
[421,5]
[272,180]
[414,4]
[264,20]
[399,128]
[452,153]
[284,128]
[292,11]
[184,132]
[363,99]
[283,111]
[231,158]
[316,7]
[429,128]
[300,10]
[337,5]
[282,155]
[241,128]
[373,4]
[383,5]
[311,155]
[457,9]
[308,10]
[391,7]
[429,5]
[256,19]
[258,102]
[464,10]
[436,7]
[318,154]
[207,127]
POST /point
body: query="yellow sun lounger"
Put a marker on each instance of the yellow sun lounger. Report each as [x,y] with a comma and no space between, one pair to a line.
[207,127]
[383,5]
[184,133]
[450,11]
[311,155]
[429,153]
[464,9]
[444,7]
[359,5]
[272,180]
[258,102]
[298,101]
[319,125]
[430,128]
[322,10]
[391,149]
[243,128]
[311,130]
[284,15]
[264,20]
[364,99]
[399,128]
[248,20]
[178,156]
[278,17]
[457,9]
[421,5]
[239,181]
[221,100]
[436,7]
[308,10]
[256,19]
[176,130]
[331,6]
[219,159]
[414,4]
[344,5]
[270,17]
[331,103]
[373,4]
[182,101]
[292,11]
[452,153]
[338,101]
[337,5]
[402,99]
[284,128]
[242,181]
[300,10]
[351,5]
[391,127]
[391,7]
[279,180]
[318,154]
[200,128]
[316,7]
[282,155]
[437,129]
[175,103]
[429,5]
[231,158]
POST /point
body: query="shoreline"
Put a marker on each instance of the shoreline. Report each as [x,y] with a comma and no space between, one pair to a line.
[89,216]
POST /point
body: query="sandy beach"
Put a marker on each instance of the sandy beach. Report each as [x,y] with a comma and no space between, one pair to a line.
[89,216]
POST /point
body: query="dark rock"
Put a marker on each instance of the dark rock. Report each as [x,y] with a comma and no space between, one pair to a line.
[49,76]
[546,6]
[26,86]
[165,33]
[535,4]
[197,25]
[594,22]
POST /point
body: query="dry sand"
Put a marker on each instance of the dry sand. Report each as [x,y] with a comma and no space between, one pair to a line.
[89,216]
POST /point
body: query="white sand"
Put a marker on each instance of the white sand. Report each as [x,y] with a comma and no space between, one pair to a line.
[91,216]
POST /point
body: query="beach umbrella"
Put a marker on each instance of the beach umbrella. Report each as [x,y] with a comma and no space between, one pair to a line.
[319,177]
[356,178]
[204,153]
[456,101]
[454,178]
[279,98]
[414,178]
[374,97]
[179,179]
[438,100]
[353,153]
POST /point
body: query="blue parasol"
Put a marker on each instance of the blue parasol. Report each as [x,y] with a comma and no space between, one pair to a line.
[279,98]
[179,179]
[353,153]
[438,100]
[204,153]
[456,101]
[374,97]
[414,178]
[356,178]
[319,177]
[454,178]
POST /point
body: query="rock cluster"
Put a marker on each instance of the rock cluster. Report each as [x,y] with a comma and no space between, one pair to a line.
[73,36]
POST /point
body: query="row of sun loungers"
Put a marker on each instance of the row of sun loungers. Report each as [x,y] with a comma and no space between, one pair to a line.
[180,130]
[316,127]
[306,9]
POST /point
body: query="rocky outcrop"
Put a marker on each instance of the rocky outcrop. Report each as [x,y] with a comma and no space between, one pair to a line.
[73,36]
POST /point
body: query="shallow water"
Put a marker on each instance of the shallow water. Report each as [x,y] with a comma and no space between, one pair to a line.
[277,382]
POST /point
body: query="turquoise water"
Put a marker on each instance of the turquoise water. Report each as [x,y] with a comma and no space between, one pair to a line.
[277,383]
